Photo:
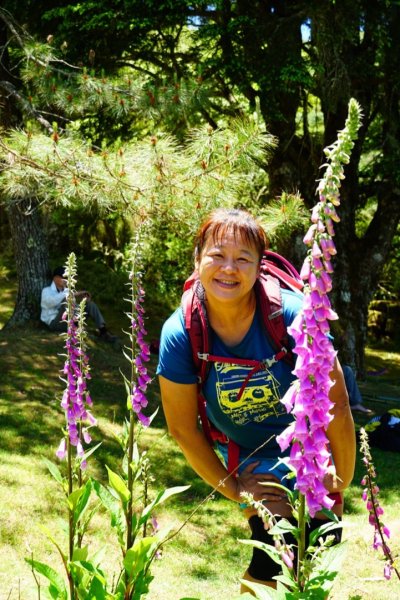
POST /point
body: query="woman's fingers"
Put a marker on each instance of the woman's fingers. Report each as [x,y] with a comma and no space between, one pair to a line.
[257,484]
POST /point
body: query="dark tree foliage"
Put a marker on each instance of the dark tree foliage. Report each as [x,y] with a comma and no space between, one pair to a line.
[298,63]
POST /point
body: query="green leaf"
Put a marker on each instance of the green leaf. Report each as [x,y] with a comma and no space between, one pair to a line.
[54,470]
[262,592]
[331,559]
[91,451]
[119,485]
[139,555]
[80,554]
[270,550]
[97,590]
[55,578]
[78,499]
[284,526]
[83,501]
[112,506]
[162,497]
[322,529]
[135,454]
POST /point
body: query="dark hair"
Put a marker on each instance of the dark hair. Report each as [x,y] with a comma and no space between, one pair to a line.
[238,222]
[59,271]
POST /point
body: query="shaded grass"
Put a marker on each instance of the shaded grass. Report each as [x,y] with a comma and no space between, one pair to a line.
[205,560]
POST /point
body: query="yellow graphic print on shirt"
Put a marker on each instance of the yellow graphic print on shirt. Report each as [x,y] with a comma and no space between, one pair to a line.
[260,398]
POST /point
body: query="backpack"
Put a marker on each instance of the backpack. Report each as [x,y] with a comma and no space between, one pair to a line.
[384,431]
[275,273]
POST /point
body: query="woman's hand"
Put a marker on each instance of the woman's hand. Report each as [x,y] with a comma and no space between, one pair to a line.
[257,484]
[331,480]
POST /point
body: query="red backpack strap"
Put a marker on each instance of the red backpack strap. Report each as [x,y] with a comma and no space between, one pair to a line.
[196,324]
[278,265]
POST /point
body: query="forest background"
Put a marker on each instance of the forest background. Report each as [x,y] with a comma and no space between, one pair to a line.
[117,113]
[93,77]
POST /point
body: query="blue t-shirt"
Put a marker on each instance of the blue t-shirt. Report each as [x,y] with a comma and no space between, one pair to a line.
[258,414]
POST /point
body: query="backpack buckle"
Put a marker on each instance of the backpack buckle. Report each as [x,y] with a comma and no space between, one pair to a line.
[203,355]
[268,362]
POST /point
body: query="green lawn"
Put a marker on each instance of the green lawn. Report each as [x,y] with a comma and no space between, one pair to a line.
[204,560]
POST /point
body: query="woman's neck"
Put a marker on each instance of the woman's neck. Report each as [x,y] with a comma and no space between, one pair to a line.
[232,322]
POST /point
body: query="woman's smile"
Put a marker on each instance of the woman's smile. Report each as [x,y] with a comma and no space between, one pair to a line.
[228,269]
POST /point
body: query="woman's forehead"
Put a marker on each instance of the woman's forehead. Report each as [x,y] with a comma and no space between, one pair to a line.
[230,238]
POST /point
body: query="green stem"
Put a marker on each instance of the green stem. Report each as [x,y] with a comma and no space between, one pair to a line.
[129,509]
[302,539]
[70,520]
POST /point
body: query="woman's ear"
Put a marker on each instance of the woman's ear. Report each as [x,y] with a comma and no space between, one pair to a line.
[196,259]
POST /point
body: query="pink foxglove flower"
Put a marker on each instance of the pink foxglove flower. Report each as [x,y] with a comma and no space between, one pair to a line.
[370,496]
[308,397]
[76,373]
[137,399]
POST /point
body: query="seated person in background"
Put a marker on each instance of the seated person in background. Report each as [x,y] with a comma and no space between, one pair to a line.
[53,306]
[355,399]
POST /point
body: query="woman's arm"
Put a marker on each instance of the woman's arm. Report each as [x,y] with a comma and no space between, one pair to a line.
[180,409]
[340,432]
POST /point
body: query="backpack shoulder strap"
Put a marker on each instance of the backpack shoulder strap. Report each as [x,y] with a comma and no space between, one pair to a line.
[196,324]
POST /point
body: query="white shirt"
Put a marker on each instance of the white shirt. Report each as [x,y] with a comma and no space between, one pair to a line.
[51,302]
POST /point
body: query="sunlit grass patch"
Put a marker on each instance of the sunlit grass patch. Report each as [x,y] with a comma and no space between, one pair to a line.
[205,559]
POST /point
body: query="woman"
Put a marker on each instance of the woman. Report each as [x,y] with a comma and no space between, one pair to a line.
[228,251]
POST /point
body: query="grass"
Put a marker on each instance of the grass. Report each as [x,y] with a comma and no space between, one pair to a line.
[205,560]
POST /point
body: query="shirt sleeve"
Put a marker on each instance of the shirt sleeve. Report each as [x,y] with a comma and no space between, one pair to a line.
[175,356]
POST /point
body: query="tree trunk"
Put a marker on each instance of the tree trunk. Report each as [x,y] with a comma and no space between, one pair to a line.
[31,258]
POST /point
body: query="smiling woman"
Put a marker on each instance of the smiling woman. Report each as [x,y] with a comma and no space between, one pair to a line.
[243,403]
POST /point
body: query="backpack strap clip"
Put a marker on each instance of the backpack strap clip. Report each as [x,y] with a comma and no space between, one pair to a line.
[203,355]
[268,362]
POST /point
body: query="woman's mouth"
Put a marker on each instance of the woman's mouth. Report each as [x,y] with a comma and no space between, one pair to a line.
[227,283]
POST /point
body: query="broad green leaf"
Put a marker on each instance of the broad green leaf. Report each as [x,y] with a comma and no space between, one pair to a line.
[83,501]
[270,550]
[284,526]
[80,554]
[53,591]
[262,592]
[97,590]
[88,567]
[162,497]
[135,454]
[54,470]
[113,507]
[287,581]
[55,578]
[331,559]
[73,498]
[91,451]
[322,529]
[139,555]
[119,485]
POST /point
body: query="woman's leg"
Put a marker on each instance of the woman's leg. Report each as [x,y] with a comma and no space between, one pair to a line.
[262,568]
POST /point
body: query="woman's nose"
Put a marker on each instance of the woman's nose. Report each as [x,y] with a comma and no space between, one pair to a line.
[229,265]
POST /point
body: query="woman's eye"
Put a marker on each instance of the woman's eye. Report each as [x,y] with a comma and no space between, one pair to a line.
[242,259]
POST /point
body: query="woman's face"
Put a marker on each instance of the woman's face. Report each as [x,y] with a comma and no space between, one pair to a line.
[228,269]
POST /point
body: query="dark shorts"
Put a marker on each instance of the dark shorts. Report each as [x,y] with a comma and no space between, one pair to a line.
[262,566]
